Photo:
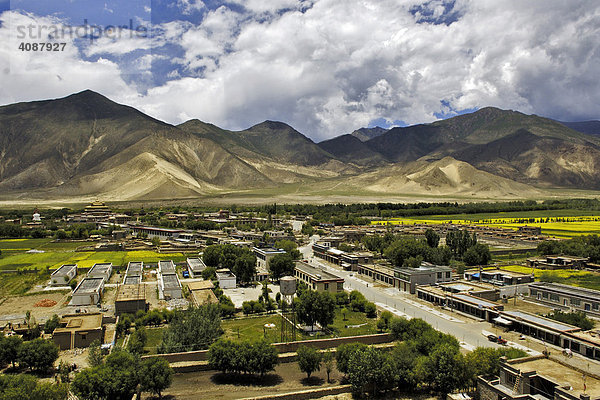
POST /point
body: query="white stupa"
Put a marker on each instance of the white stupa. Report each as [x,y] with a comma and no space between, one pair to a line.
[37,217]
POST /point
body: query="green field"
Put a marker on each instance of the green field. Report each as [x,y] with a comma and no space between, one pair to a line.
[586,279]
[15,256]
[154,338]
[19,284]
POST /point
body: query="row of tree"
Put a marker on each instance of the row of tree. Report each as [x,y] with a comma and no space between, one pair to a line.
[248,358]
[37,354]
[240,260]
[580,246]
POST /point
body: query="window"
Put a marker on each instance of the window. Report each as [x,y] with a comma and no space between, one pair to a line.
[554,297]
[448,274]
[439,275]
[327,286]
[340,286]
[575,302]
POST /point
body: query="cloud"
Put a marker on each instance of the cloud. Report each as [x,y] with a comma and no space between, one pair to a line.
[330,66]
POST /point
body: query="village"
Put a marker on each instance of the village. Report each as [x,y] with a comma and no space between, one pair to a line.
[258,279]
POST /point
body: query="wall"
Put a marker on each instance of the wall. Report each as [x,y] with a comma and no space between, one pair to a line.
[202,355]
[306,394]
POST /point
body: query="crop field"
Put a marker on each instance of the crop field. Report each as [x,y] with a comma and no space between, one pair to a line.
[558,223]
[586,279]
[14,255]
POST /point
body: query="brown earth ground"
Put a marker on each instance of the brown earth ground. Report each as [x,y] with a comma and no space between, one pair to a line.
[15,307]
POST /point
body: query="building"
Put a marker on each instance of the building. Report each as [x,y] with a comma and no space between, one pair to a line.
[169,286]
[226,278]
[530,230]
[78,331]
[166,267]
[558,262]
[101,270]
[407,279]
[566,297]
[537,378]
[88,292]
[498,277]
[63,275]
[151,232]
[462,302]
[349,261]
[201,293]
[133,273]
[195,267]
[380,273]
[317,279]
[131,298]
[264,255]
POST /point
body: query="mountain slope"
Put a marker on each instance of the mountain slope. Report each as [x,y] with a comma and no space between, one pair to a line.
[364,134]
[587,127]
[350,149]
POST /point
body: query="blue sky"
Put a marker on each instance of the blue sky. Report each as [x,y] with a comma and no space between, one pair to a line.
[326,67]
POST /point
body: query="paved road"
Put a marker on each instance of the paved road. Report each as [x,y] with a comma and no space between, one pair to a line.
[464,329]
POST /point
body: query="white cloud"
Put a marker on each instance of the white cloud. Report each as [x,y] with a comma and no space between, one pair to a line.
[335,65]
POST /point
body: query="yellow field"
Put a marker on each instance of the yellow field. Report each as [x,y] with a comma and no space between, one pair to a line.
[551,226]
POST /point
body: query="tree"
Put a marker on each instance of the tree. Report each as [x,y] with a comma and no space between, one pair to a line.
[343,354]
[212,255]
[9,349]
[38,354]
[312,307]
[156,375]
[290,248]
[328,362]
[64,370]
[264,357]
[137,340]
[192,329]
[23,386]
[309,360]
[51,324]
[433,239]
[307,229]
[478,254]
[370,310]
[227,356]
[209,273]
[443,369]
[369,370]
[281,265]
[95,357]
[344,312]
[244,266]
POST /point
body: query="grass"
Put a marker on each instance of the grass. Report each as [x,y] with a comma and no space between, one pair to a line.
[342,327]
[19,284]
[154,338]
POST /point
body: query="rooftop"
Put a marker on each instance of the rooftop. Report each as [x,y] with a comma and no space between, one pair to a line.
[171,281]
[89,285]
[540,321]
[134,268]
[196,264]
[224,273]
[166,267]
[424,269]
[64,269]
[501,271]
[79,322]
[200,285]
[204,297]
[99,269]
[131,292]
[132,280]
[316,273]
[268,250]
[572,290]
[561,375]
[476,300]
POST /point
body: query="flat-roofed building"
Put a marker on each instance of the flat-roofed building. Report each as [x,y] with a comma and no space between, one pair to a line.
[88,292]
[317,279]
[264,255]
[226,278]
[380,273]
[566,297]
[166,267]
[460,301]
[100,270]
[497,276]
[78,331]
[169,286]
[200,285]
[63,275]
[537,378]
[152,232]
[133,273]
[131,298]
[558,262]
[407,279]
[195,267]
[201,292]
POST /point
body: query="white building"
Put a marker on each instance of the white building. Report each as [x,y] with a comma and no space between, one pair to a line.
[88,292]
[226,278]
[63,275]
[100,270]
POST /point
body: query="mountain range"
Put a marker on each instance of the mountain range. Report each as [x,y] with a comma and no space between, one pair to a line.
[87,146]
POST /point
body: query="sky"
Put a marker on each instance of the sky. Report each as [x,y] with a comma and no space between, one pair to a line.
[326,67]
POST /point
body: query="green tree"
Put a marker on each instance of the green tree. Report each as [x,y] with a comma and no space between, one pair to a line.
[307,229]
[9,349]
[444,369]
[312,307]
[264,357]
[95,357]
[137,340]
[244,266]
[156,375]
[209,273]
[51,324]
[289,246]
[192,329]
[212,255]
[328,363]
[281,265]
[478,254]
[343,354]
[309,360]
[369,370]
[17,387]
[38,354]
[433,239]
